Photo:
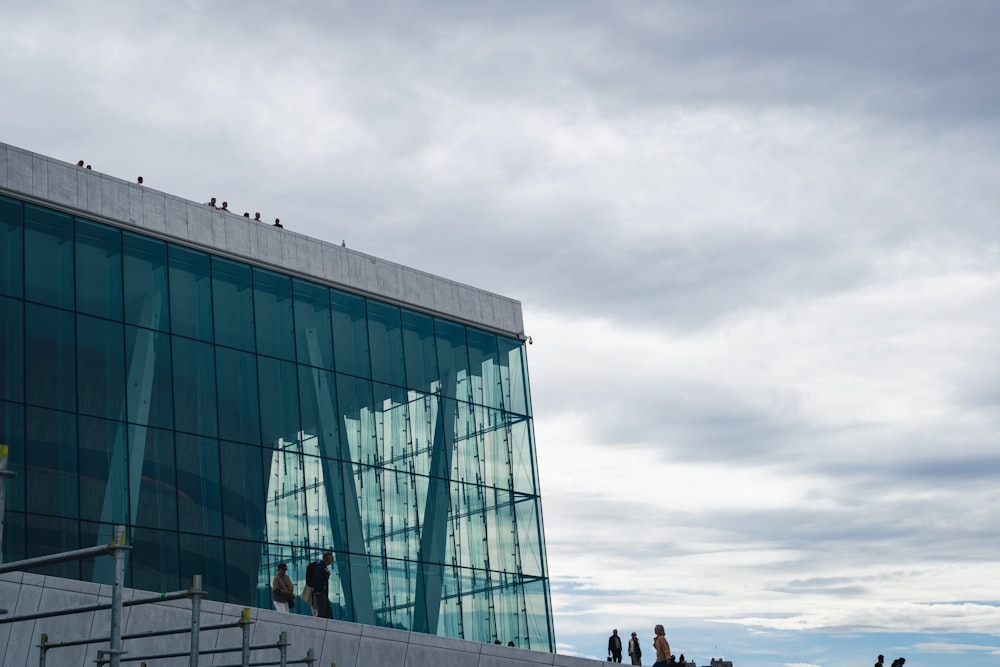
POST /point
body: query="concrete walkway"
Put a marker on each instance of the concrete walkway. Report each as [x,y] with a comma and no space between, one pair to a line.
[334,643]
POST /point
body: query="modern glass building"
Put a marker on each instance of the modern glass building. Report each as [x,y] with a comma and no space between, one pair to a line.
[240,395]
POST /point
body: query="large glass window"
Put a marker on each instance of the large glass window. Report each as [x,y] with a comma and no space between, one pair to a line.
[421,351]
[233,417]
[194,387]
[51,473]
[350,334]
[279,402]
[199,498]
[485,368]
[273,314]
[313,335]
[453,359]
[98,270]
[513,376]
[12,435]
[49,357]
[11,247]
[385,336]
[145,283]
[239,406]
[103,471]
[318,406]
[100,367]
[11,349]
[149,378]
[242,491]
[232,295]
[190,293]
[48,257]
[152,478]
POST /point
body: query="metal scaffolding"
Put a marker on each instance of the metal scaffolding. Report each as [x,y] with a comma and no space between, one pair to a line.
[114,655]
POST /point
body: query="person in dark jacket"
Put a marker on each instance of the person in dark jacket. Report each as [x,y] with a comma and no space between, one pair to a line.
[615,646]
[321,586]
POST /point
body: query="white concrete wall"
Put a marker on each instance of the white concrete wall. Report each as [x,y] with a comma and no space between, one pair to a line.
[106,198]
[333,642]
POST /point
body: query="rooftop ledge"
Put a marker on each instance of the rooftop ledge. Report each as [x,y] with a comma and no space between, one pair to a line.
[92,194]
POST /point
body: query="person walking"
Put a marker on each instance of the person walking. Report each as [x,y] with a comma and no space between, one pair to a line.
[662,647]
[880,662]
[615,646]
[321,586]
[634,651]
[282,591]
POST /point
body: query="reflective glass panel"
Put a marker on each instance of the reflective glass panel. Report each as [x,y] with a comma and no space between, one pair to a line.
[199,499]
[12,435]
[204,555]
[273,314]
[11,247]
[49,357]
[153,484]
[318,404]
[239,406]
[100,366]
[279,402]
[98,270]
[49,535]
[313,333]
[485,368]
[103,471]
[350,334]
[513,375]
[243,582]
[385,337]
[190,293]
[242,490]
[354,398]
[48,256]
[145,285]
[453,359]
[11,349]
[154,560]
[194,387]
[149,378]
[51,472]
[421,350]
[232,293]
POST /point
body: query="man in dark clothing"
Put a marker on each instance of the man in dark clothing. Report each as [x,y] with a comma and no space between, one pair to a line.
[321,586]
[880,662]
[615,646]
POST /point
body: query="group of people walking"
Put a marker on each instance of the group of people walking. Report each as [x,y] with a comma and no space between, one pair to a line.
[663,655]
[315,593]
[898,662]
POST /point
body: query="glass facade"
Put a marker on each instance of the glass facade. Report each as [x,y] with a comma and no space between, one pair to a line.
[234,417]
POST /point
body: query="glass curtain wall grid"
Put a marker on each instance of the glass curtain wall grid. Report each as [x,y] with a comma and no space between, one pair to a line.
[234,417]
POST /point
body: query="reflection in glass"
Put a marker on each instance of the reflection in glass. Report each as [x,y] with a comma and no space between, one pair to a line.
[190,293]
[48,257]
[11,247]
[49,357]
[98,270]
[239,417]
[144,264]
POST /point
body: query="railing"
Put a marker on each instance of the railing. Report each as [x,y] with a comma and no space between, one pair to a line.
[114,655]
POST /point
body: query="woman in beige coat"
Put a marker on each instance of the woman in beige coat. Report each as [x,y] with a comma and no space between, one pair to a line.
[662,647]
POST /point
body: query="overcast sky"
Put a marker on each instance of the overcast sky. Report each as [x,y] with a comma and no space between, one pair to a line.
[756,244]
